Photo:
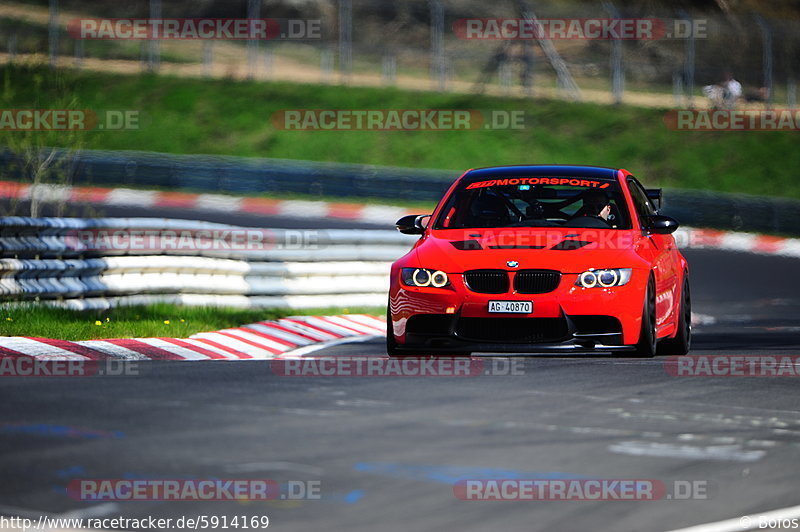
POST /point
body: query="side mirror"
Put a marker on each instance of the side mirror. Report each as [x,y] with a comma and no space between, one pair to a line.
[412,224]
[662,225]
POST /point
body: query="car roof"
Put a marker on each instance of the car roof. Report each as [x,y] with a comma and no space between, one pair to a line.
[599,172]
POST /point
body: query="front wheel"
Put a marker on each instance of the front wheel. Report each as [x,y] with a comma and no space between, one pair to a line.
[646,347]
[680,344]
[391,343]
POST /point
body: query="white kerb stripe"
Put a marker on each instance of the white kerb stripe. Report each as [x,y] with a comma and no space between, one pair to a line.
[111,349]
[256,339]
[218,202]
[208,347]
[738,241]
[183,352]
[313,333]
[40,350]
[372,321]
[383,214]
[747,522]
[328,326]
[791,248]
[126,196]
[277,333]
[236,345]
[304,209]
[343,320]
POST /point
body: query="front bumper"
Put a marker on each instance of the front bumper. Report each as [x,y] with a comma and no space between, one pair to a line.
[569,318]
[455,333]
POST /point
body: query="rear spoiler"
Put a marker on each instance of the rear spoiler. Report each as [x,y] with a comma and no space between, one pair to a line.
[654,195]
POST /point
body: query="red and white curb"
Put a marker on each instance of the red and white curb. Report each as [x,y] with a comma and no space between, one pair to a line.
[286,337]
[378,214]
[686,237]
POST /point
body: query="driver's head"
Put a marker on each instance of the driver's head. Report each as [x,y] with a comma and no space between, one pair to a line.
[596,203]
[490,209]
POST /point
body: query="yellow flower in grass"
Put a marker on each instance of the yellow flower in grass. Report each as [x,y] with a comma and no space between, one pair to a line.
[166,322]
[9,319]
[98,322]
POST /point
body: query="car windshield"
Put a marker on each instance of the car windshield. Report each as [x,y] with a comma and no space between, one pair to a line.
[534,201]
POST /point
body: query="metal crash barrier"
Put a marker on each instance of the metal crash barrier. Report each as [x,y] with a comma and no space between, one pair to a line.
[105,262]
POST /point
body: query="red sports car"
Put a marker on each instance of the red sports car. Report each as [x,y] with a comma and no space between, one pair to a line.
[541,259]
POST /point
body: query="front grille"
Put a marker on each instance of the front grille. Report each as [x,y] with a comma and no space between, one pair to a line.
[487,281]
[512,330]
[536,281]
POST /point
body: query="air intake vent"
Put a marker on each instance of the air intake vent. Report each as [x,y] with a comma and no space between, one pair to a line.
[487,281]
[512,330]
[536,281]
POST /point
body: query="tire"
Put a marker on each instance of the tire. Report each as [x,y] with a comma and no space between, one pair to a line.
[391,343]
[393,351]
[646,346]
[682,342]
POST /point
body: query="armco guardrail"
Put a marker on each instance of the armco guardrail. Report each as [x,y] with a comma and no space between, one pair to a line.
[241,175]
[104,262]
[245,175]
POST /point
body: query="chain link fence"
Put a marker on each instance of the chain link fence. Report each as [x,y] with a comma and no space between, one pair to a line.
[419,43]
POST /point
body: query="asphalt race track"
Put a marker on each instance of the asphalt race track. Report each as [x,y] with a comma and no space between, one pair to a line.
[387,451]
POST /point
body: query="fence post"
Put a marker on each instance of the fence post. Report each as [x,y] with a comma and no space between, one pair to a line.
[345,39]
[78,53]
[389,69]
[12,47]
[52,33]
[208,58]
[438,72]
[253,12]
[617,74]
[677,88]
[766,36]
[326,64]
[528,66]
[688,64]
[154,45]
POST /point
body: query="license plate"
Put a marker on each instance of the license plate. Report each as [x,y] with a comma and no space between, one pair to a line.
[511,307]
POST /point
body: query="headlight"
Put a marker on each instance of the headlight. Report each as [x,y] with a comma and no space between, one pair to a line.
[424,277]
[604,278]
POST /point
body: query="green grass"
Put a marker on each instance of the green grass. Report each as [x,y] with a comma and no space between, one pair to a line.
[218,116]
[161,320]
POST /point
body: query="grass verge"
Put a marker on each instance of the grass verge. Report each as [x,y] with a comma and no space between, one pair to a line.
[227,117]
[160,320]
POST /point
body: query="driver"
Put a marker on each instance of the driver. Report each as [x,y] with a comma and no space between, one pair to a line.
[594,212]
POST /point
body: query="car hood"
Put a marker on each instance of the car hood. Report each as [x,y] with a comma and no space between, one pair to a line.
[571,250]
